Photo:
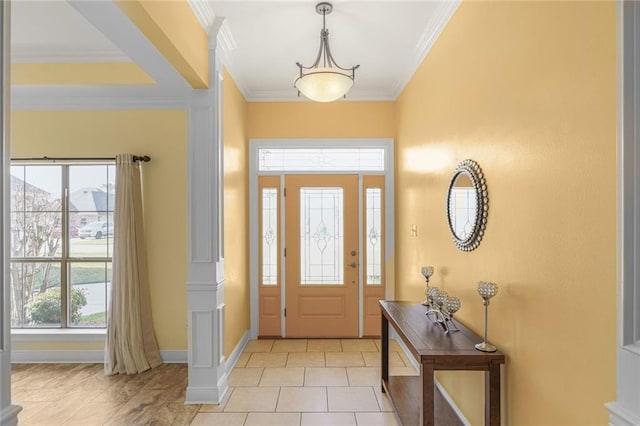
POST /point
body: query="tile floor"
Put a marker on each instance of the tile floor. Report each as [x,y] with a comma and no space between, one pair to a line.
[321,382]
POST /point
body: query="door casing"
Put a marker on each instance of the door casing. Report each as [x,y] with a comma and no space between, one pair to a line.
[255,145]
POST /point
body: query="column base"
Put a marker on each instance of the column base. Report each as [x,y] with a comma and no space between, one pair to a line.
[619,416]
[203,395]
[9,416]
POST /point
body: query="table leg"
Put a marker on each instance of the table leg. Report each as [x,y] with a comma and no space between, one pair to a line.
[492,395]
[427,416]
[384,351]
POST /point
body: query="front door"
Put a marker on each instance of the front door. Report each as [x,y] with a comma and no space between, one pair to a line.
[321,255]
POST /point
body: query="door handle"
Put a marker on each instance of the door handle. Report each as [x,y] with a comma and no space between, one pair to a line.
[353,265]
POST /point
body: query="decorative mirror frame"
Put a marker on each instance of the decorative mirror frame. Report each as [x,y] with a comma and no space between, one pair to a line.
[473,170]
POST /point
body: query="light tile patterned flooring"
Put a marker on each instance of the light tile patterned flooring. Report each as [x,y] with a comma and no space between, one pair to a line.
[275,383]
[308,382]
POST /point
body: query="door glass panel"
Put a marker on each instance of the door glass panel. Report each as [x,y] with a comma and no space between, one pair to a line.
[269,236]
[321,236]
[374,236]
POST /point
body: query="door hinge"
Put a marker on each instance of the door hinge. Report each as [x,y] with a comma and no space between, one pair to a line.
[285,252]
[285,312]
[284,191]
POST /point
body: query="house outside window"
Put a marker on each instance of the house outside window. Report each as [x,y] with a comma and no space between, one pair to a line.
[61,244]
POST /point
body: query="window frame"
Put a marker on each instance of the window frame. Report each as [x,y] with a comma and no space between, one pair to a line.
[66,331]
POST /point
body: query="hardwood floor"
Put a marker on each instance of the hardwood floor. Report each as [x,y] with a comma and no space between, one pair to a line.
[80,394]
[297,382]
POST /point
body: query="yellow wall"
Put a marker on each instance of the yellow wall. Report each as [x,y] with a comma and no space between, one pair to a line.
[321,120]
[236,213]
[160,134]
[528,90]
[79,73]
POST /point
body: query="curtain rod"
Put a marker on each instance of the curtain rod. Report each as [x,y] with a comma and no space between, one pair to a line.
[143,158]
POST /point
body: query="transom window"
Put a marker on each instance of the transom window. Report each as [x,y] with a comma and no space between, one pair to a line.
[61,244]
[321,159]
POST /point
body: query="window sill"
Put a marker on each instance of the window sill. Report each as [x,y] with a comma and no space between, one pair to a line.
[59,335]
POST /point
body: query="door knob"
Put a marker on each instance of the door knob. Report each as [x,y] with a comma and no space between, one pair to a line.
[353,252]
[353,265]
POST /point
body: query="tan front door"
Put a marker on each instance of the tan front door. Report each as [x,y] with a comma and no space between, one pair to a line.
[321,227]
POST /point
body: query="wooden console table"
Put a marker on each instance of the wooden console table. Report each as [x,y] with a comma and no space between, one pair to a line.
[415,399]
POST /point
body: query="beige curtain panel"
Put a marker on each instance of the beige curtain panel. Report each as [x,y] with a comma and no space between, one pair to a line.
[131,343]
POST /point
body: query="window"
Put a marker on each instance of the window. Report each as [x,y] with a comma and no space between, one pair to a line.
[373,229]
[61,244]
[321,159]
[269,227]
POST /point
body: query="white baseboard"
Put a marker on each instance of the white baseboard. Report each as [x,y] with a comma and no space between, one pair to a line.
[9,415]
[452,403]
[79,356]
[232,360]
[619,416]
[170,356]
[75,356]
[445,394]
[203,395]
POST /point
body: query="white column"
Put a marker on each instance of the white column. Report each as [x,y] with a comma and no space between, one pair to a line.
[8,412]
[625,410]
[205,285]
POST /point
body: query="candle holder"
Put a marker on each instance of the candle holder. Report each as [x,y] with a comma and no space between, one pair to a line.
[486,290]
[441,309]
[427,272]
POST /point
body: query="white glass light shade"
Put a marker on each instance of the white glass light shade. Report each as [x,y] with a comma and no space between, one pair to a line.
[324,84]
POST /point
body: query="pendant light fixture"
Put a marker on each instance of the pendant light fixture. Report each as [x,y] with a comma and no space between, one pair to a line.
[324,81]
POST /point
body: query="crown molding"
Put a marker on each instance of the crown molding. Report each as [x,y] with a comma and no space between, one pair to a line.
[203,12]
[220,37]
[429,36]
[224,39]
[66,56]
[215,27]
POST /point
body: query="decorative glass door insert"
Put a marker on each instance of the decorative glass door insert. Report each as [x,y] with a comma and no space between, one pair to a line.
[270,236]
[322,236]
[373,228]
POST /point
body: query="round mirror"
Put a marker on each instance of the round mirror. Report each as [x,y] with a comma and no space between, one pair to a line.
[467,205]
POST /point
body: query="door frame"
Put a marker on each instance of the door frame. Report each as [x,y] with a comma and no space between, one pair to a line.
[254,146]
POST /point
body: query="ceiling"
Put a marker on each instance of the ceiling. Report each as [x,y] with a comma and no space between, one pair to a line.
[53,31]
[265,39]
